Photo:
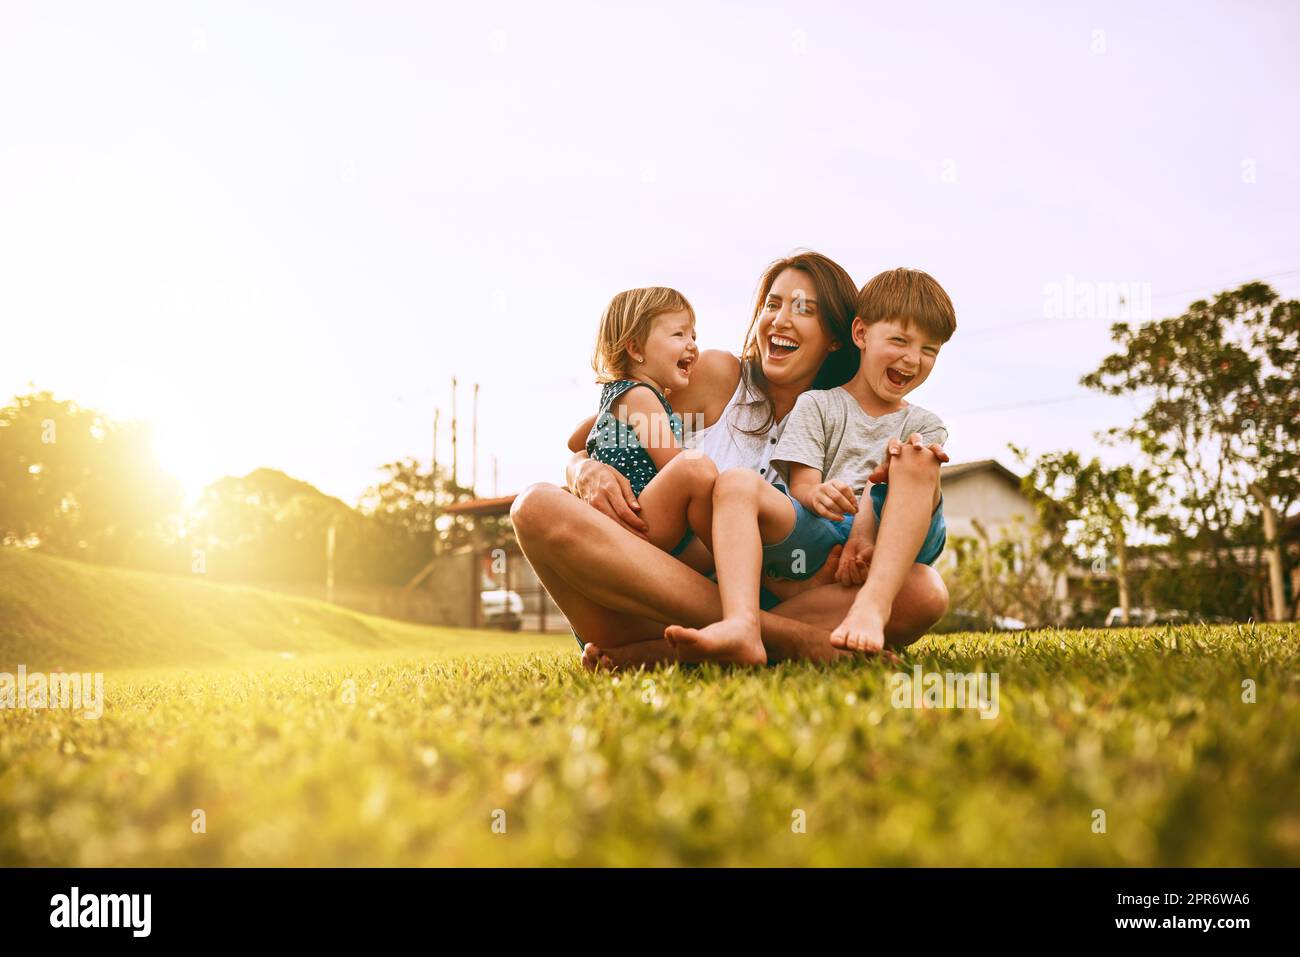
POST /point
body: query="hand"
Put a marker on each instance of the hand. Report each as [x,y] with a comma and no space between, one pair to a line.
[833,500]
[607,490]
[881,474]
[854,561]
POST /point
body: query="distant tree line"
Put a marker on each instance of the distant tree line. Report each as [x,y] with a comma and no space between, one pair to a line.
[77,484]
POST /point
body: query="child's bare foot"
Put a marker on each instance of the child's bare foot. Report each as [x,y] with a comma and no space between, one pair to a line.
[733,640]
[863,629]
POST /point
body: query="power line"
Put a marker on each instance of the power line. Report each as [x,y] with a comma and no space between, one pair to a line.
[1024,405]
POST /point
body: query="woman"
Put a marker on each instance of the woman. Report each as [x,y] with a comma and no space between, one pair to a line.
[619,591]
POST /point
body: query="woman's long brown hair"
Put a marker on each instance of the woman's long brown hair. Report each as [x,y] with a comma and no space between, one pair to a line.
[836,298]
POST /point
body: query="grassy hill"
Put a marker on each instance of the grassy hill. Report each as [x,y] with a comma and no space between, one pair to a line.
[63,614]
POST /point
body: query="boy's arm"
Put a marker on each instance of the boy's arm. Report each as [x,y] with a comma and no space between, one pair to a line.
[833,499]
[860,546]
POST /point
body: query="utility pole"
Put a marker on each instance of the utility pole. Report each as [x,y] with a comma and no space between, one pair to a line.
[455,472]
[433,482]
[495,493]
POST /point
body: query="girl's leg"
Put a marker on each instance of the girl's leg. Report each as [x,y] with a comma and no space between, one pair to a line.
[747,512]
[679,498]
[904,521]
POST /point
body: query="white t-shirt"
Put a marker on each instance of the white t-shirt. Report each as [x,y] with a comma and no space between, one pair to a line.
[729,447]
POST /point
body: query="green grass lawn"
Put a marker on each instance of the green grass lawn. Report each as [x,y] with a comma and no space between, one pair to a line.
[409,751]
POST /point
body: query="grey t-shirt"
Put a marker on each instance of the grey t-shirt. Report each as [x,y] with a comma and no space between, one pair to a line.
[828,430]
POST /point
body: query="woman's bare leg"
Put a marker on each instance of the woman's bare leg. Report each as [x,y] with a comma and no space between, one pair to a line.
[639,587]
[613,586]
[920,603]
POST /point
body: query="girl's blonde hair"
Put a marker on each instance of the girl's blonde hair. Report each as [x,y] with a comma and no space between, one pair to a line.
[627,320]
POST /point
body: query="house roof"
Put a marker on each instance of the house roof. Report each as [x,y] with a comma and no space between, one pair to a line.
[949,472]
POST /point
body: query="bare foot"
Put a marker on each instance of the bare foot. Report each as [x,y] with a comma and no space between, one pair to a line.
[863,629]
[652,653]
[734,641]
[593,660]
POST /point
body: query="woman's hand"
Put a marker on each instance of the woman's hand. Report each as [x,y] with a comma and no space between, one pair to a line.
[607,490]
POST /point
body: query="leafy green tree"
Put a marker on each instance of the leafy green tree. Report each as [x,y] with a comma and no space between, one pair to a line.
[1101,508]
[408,499]
[76,483]
[1220,432]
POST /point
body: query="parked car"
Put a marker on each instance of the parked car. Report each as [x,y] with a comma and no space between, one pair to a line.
[1144,617]
[501,609]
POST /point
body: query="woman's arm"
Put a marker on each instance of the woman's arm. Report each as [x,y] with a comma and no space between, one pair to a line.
[605,489]
[578,440]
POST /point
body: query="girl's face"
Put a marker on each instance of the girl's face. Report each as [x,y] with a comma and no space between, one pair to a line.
[669,351]
[792,342]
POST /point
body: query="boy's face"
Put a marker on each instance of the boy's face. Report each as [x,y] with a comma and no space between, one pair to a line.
[896,356]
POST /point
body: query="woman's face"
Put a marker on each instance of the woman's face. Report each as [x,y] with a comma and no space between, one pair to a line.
[792,342]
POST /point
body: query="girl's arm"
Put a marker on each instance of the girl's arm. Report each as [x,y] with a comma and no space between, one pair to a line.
[641,409]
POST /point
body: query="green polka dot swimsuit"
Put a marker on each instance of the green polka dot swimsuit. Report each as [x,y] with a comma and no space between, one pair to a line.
[615,443]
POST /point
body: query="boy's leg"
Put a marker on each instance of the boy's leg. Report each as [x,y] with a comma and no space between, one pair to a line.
[747,512]
[904,522]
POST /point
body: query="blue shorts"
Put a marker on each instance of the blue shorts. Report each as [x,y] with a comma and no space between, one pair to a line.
[804,550]
[935,538]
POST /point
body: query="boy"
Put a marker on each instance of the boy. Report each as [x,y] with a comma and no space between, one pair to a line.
[831,446]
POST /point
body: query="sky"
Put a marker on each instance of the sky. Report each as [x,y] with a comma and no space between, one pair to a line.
[276,231]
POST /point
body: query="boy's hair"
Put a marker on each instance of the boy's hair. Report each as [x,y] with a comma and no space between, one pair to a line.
[909,296]
[834,291]
[627,319]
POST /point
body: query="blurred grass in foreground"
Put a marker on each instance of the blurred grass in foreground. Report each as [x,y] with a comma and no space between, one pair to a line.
[676,767]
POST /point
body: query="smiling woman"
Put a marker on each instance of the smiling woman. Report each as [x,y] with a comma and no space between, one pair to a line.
[601,563]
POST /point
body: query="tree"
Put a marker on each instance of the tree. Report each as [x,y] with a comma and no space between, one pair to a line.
[407,500]
[76,483]
[1105,506]
[1220,431]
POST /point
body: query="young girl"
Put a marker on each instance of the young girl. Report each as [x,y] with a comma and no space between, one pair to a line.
[644,351]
